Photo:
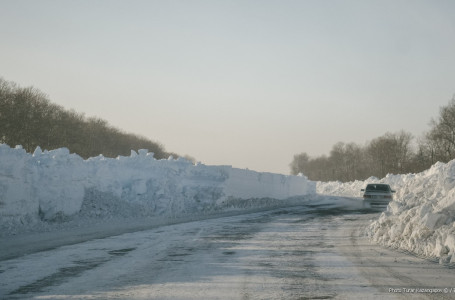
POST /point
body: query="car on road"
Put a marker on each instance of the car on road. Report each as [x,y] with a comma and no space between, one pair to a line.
[377,195]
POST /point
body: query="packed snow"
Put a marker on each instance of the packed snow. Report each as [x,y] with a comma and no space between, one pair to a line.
[56,187]
[420,219]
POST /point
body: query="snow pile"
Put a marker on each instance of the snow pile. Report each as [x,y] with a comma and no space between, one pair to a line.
[347,189]
[421,219]
[56,185]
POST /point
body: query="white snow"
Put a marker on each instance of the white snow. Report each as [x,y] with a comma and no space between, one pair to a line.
[55,186]
[420,219]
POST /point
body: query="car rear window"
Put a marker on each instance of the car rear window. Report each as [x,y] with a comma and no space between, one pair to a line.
[378,187]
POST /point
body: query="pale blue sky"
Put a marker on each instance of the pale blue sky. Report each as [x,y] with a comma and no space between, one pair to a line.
[242,83]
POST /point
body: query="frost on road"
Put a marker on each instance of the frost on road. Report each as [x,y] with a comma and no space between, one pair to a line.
[292,253]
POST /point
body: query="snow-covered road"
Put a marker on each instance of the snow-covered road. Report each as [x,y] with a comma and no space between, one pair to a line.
[292,253]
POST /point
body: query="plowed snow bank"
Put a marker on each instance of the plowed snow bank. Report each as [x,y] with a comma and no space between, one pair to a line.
[53,186]
[421,218]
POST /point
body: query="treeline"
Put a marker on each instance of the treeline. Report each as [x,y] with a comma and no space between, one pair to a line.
[28,118]
[396,153]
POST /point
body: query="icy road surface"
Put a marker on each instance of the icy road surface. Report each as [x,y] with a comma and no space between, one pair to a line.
[293,253]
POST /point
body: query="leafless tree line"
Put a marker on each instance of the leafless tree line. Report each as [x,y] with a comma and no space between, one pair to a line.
[396,153]
[28,118]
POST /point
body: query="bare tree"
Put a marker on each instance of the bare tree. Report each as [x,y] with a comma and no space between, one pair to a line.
[28,118]
[442,133]
[299,164]
[390,153]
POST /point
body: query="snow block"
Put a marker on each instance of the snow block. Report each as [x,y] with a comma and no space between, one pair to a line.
[17,189]
[60,184]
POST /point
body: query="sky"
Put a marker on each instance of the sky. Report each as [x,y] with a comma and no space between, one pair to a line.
[242,83]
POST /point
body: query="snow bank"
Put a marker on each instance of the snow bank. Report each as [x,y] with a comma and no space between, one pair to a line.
[347,189]
[421,219]
[55,185]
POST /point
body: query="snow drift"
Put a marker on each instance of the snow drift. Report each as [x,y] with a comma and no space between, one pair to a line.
[54,185]
[421,219]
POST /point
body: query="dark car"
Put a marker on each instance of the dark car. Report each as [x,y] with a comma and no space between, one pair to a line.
[377,195]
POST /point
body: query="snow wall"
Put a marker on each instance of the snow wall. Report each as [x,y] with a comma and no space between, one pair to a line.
[53,185]
[420,219]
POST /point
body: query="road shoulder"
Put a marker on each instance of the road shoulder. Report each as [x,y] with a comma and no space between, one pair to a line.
[392,273]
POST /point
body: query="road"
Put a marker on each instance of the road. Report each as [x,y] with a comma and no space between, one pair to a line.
[292,253]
